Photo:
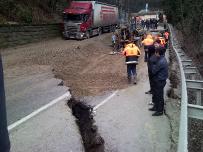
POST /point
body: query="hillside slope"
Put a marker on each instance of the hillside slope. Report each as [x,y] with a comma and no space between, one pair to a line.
[46,11]
[187,17]
[29,11]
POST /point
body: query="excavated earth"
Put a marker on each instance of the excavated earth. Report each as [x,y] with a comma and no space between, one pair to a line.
[84,66]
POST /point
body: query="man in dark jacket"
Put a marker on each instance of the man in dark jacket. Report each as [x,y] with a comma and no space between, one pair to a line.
[4,138]
[151,61]
[159,75]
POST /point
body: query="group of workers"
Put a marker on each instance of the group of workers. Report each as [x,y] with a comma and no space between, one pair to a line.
[149,23]
[154,47]
[121,38]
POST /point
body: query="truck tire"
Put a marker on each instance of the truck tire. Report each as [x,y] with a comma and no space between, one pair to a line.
[111,29]
[87,34]
[66,38]
[99,31]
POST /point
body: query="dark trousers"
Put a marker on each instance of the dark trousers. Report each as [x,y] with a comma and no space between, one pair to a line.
[146,55]
[4,138]
[150,76]
[151,83]
[158,94]
[152,88]
[131,70]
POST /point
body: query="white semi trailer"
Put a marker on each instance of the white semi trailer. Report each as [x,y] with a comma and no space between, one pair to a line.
[83,19]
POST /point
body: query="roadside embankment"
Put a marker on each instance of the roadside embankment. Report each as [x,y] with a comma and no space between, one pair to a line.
[13,35]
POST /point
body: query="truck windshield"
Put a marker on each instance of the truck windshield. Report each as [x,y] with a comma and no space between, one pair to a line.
[73,17]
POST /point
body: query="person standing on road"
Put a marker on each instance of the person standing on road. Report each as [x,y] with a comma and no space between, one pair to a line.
[152,61]
[159,76]
[143,24]
[4,138]
[136,38]
[132,53]
[160,45]
[113,39]
[147,24]
[166,36]
[147,42]
[155,23]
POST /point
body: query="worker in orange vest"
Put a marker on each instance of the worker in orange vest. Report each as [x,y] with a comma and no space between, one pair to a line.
[147,42]
[132,53]
[166,36]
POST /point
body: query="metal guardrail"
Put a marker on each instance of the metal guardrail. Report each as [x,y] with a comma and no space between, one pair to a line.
[183,138]
[187,110]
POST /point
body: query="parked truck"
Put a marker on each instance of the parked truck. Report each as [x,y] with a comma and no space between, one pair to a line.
[83,19]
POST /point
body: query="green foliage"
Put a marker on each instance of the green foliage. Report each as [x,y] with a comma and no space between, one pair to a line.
[2,20]
[187,14]
[24,14]
[22,10]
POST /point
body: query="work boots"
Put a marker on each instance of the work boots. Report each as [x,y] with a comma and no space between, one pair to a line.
[132,79]
[129,79]
[135,79]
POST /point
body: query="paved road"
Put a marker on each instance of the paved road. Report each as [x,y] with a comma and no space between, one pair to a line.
[127,125]
[27,92]
[53,130]
[125,122]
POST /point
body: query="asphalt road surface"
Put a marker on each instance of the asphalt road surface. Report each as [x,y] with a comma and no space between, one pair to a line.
[33,78]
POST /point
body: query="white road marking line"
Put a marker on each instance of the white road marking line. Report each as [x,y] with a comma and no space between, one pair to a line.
[106,100]
[53,102]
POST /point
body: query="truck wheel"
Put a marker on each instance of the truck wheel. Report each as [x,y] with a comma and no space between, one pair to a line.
[65,38]
[87,33]
[99,31]
[111,29]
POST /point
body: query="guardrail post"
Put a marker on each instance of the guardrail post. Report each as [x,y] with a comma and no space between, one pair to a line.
[190,70]
[195,111]
[187,62]
[198,87]
[199,97]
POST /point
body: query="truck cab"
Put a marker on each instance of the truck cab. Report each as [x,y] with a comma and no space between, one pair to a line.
[77,20]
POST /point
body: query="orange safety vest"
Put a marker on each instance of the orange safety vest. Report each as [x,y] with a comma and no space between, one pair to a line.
[132,53]
[148,41]
[131,50]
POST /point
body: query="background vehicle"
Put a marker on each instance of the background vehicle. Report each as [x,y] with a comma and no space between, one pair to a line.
[83,19]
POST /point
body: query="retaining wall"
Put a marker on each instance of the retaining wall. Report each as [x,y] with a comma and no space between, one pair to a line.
[12,35]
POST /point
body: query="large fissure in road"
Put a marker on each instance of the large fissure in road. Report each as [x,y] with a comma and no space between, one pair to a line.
[92,140]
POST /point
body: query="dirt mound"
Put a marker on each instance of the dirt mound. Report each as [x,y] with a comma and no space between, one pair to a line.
[84,66]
